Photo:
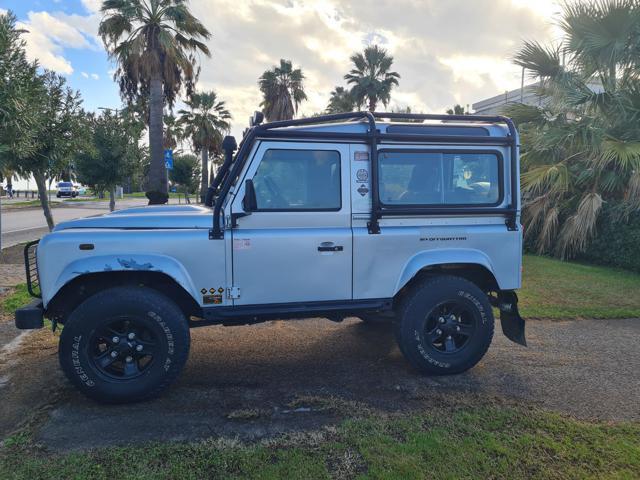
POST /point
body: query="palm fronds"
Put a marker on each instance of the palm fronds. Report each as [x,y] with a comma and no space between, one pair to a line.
[580,227]
[371,77]
[582,145]
[282,90]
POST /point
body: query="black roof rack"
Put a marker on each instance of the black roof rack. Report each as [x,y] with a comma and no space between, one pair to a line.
[373,136]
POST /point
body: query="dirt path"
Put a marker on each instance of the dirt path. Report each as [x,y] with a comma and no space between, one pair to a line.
[252,382]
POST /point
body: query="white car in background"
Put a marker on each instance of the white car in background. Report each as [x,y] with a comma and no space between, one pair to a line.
[66,189]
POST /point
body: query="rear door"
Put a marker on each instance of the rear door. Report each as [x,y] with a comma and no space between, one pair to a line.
[298,246]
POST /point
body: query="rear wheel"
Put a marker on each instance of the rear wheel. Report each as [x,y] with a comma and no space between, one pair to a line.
[445,325]
[124,344]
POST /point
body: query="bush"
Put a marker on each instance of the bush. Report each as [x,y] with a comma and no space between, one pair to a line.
[618,240]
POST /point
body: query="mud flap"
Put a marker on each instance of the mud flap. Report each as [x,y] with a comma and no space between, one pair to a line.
[512,322]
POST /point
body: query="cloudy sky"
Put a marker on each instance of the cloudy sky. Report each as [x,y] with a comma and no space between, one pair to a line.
[446,51]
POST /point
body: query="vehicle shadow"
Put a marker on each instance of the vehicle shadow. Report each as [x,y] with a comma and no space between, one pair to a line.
[251,382]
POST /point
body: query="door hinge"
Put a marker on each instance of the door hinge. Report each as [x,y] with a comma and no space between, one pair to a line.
[233,292]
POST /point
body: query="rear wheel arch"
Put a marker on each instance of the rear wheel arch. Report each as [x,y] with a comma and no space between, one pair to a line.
[476,273]
[74,292]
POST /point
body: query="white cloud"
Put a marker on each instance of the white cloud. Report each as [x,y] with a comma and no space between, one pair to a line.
[454,51]
[84,74]
[95,76]
[450,52]
[49,34]
[93,6]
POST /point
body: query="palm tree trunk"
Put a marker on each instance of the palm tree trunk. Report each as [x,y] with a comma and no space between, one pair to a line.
[157,187]
[372,104]
[41,184]
[204,184]
[112,199]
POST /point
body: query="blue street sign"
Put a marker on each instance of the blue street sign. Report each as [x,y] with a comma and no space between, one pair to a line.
[168,159]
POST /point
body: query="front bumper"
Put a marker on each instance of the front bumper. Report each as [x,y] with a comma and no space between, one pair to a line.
[30,316]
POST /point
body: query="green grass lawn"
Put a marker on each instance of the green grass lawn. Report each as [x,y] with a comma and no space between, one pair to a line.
[29,204]
[19,297]
[143,195]
[468,442]
[555,289]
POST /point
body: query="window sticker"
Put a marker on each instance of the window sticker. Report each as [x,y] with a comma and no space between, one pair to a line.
[241,243]
[361,156]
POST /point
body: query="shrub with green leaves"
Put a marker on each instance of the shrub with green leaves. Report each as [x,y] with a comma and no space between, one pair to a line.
[618,241]
[581,145]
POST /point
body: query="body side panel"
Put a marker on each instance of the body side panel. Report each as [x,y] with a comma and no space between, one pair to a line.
[188,256]
[383,263]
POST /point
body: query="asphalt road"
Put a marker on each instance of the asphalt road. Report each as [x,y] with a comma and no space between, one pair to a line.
[26,224]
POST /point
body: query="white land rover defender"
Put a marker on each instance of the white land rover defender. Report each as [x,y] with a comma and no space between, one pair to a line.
[410,218]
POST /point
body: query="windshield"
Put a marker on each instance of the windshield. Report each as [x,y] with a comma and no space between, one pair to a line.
[65,184]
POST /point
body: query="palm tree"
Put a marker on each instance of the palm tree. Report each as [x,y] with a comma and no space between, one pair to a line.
[371,77]
[205,124]
[457,110]
[282,91]
[582,145]
[154,43]
[173,131]
[341,101]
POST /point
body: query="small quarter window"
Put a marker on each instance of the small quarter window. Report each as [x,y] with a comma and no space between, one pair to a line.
[439,178]
[298,180]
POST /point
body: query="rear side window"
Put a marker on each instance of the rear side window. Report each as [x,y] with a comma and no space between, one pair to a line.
[440,178]
[289,180]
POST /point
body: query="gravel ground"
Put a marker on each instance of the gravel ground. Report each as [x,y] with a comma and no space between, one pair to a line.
[256,381]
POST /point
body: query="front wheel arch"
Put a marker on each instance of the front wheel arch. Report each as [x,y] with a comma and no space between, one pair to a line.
[82,287]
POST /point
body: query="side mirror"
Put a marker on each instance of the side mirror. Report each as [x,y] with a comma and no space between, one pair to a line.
[249,203]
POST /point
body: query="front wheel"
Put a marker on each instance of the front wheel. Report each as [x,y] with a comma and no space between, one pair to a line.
[124,344]
[445,325]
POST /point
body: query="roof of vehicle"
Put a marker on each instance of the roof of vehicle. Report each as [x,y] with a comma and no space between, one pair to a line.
[418,128]
[424,128]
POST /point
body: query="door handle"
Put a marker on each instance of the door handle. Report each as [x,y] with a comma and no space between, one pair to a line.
[330,247]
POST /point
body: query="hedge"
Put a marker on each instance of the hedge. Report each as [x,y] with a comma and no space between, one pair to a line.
[617,243]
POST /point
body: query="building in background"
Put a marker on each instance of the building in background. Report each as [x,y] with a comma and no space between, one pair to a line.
[495,105]
[526,95]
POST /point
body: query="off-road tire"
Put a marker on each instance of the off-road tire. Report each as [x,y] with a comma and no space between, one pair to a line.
[410,326]
[154,312]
